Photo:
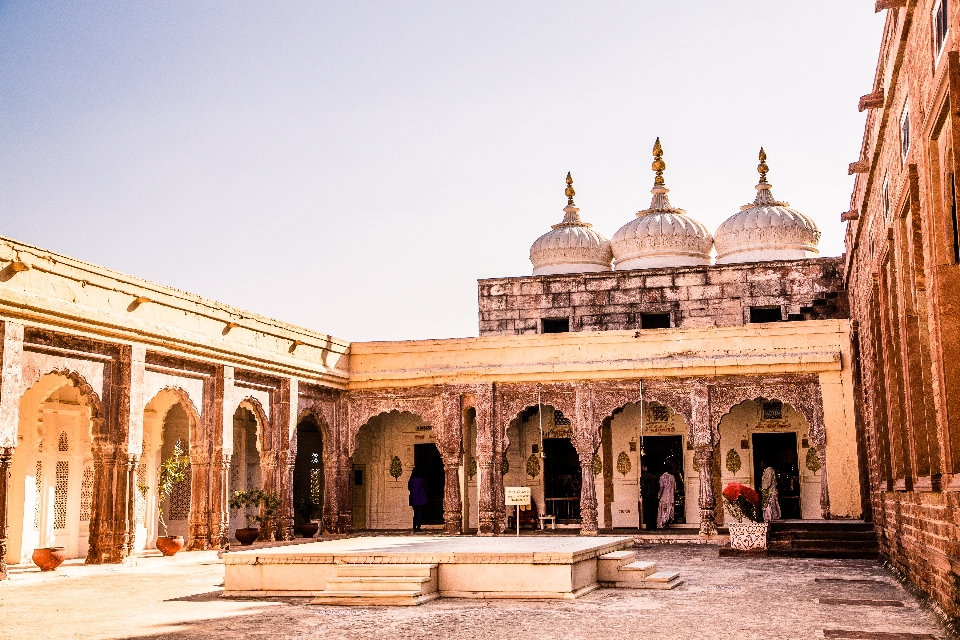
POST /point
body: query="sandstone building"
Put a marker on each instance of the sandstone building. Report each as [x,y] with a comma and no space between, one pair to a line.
[665,361]
[902,268]
[666,346]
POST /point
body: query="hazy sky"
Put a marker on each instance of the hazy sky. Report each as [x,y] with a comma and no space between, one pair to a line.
[355,167]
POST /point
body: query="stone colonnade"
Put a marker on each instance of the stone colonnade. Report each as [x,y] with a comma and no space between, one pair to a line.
[117,411]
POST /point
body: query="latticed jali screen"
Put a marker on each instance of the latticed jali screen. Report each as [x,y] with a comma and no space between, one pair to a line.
[60,495]
[141,498]
[86,493]
[316,483]
[180,498]
[38,495]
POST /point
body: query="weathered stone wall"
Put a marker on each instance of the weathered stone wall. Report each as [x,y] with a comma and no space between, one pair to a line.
[903,269]
[713,296]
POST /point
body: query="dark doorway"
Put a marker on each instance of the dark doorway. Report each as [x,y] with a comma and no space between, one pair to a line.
[426,457]
[665,454]
[308,470]
[561,480]
[779,450]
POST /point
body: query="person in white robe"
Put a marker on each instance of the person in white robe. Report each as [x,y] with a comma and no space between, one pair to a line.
[668,486]
[768,484]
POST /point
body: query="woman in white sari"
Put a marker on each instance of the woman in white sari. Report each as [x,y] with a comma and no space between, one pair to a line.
[768,485]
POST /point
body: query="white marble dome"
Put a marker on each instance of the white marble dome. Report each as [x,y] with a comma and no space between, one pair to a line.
[661,236]
[766,230]
[570,247]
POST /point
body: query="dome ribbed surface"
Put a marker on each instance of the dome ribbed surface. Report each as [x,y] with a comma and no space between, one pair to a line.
[766,230]
[570,247]
[661,236]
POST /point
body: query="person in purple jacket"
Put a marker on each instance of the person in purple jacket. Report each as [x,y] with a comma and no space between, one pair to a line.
[418,496]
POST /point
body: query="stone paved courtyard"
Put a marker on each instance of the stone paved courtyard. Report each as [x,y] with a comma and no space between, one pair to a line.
[739,599]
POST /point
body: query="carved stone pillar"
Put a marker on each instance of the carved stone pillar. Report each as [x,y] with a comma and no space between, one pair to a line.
[821,450]
[108,519]
[223,540]
[452,504]
[6,454]
[708,501]
[330,516]
[588,494]
[268,472]
[198,520]
[285,517]
[130,520]
[499,508]
[345,485]
[486,495]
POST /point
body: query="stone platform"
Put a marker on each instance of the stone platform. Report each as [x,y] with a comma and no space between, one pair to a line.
[412,570]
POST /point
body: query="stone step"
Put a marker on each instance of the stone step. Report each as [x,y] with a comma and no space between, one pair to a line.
[386,570]
[642,567]
[609,564]
[663,576]
[373,598]
[382,584]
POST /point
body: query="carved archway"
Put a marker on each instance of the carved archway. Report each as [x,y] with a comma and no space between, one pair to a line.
[800,392]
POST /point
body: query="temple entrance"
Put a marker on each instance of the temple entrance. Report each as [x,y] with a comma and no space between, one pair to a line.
[663,454]
[308,471]
[426,458]
[779,450]
[561,480]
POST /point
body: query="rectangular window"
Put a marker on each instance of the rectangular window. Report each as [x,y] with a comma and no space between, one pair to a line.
[940,27]
[765,314]
[654,320]
[953,216]
[556,325]
[886,198]
[905,132]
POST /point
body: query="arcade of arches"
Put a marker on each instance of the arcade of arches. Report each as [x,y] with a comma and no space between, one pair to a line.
[349,454]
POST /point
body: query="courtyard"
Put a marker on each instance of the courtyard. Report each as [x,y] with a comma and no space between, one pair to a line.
[736,598]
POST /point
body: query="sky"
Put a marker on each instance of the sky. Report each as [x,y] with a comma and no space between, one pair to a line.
[356,167]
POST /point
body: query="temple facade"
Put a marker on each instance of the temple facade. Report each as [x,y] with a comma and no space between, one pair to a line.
[617,360]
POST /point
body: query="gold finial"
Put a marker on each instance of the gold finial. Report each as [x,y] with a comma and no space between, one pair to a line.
[569,192]
[658,164]
[762,167]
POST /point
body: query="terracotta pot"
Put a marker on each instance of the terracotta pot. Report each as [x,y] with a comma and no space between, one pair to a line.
[247,536]
[169,545]
[307,529]
[49,558]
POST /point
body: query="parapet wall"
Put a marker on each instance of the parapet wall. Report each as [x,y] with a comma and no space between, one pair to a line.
[711,296]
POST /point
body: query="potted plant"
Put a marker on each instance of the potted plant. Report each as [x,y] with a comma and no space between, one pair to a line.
[258,506]
[171,472]
[305,508]
[743,505]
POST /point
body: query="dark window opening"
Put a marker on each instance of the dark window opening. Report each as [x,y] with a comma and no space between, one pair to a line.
[765,314]
[556,325]
[358,477]
[773,410]
[654,320]
[953,214]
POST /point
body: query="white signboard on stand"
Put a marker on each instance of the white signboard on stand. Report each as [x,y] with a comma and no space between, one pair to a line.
[519,497]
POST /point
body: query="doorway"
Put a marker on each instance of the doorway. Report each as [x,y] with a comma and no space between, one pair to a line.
[779,450]
[358,497]
[426,458]
[561,480]
[308,471]
[663,454]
